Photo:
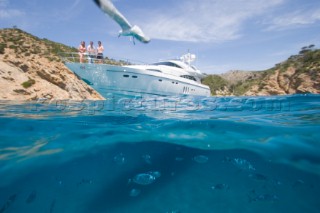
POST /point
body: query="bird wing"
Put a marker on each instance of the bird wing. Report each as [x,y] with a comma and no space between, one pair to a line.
[107,7]
[127,29]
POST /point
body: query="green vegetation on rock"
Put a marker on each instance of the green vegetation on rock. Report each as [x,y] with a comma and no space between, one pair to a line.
[215,82]
[2,46]
[286,77]
[26,44]
[28,83]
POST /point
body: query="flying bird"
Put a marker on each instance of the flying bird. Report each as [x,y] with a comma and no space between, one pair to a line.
[126,28]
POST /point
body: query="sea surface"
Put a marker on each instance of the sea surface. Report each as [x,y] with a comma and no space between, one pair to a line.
[161,155]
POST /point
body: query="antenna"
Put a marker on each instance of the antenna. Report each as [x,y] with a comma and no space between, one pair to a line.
[188,58]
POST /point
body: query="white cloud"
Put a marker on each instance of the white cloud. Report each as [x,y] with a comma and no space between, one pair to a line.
[6,12]
[204,20]
[295,19]
[9,13]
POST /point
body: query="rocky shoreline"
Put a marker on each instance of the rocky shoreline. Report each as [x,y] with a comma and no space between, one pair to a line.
[30,70]
[299,74]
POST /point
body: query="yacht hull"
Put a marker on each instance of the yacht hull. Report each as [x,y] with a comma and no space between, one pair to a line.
[110,79]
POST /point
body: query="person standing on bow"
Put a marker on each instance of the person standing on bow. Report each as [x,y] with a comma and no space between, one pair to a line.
[100,50]
[82,50]
[91,52]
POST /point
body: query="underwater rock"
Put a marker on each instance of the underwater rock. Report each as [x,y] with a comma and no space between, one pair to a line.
[226,159]
[119,159]
[134,192]
[201,159]
[32,196]
[265,197]
[147,159]
[4,207]
[8,203]
[243,164]
[12,198]
[146,178]
[220,186]
[84,181]
[58,180]
[53,203]
[253,196]
[276,182]
[298,183]
[258,177]
[301,184]
[156,174]
[179,159]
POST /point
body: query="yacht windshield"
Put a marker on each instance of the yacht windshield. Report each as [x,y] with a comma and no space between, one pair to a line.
[166,63]
[194,68]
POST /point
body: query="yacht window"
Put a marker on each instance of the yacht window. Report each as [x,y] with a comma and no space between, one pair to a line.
[134,76]
[126,76]
[188,77]
[170,64]
[193,67]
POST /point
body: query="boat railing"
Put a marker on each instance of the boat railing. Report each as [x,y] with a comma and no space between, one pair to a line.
[74,57]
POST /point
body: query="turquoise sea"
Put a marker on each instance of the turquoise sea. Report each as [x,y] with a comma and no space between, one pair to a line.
[161,154]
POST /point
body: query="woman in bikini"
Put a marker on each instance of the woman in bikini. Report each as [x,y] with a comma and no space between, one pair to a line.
[82,50]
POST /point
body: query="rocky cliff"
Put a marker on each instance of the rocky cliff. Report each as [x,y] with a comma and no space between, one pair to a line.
[297,75]
[30,68]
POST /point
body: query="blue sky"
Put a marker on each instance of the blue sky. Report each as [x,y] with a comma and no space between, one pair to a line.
[224,34]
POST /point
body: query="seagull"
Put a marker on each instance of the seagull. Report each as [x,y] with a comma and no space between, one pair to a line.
[126,28]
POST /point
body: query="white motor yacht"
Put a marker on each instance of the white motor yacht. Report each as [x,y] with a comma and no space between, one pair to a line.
[170,77]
